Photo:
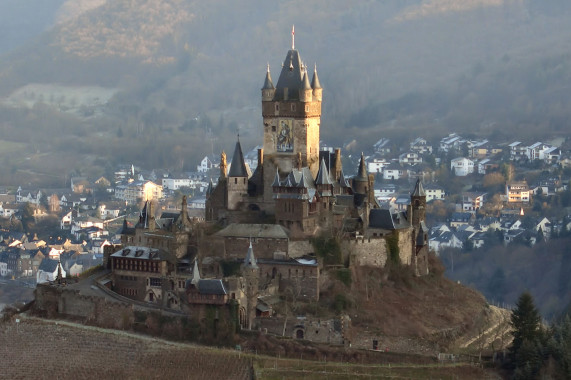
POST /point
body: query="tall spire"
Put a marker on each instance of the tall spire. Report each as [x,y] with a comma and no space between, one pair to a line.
[238,166]
[362,174]
[418,189]
[268,84]
[250,261]
[293,37]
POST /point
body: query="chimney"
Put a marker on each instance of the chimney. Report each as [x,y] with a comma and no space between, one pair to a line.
[260,157]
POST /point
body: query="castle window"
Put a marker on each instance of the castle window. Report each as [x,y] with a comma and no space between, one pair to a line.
[293,107]
[277,107]
[235,181]
[273,128]
[306,108]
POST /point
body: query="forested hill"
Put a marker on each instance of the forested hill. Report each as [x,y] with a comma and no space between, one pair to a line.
[386,66]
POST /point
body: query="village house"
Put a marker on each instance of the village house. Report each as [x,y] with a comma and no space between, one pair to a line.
[420,146]
[517,192]
[461,166]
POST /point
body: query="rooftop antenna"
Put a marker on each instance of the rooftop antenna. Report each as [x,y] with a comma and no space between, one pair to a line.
[293,37]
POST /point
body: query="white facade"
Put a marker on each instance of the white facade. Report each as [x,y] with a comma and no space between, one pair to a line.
[377,165]
[462,166]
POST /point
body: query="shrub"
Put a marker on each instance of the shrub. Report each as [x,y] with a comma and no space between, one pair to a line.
[344,275]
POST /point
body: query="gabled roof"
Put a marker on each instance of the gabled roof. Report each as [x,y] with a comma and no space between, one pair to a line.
[238,166]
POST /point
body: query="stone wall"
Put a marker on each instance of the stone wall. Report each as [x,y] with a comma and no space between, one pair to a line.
[366,251]
[374,251]
[332,331]
[299,248]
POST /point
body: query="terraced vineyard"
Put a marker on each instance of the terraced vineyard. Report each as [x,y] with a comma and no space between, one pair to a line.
[35,349]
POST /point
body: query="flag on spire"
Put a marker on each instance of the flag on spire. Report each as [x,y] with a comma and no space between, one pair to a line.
[293,37]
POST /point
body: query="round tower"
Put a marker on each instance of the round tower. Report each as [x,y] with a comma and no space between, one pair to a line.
[250,273]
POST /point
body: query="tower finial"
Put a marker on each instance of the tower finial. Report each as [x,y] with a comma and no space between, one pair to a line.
[293,37]
[268,67]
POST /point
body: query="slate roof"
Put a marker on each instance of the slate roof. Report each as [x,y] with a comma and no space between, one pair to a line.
[212,286]
[142,253]
[384,219]
[48,265]
[291,76]
[273,231]
[238,166]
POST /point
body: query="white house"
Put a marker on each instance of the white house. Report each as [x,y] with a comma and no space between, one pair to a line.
[7,210]
[452,141]
[377,164]
[48,271]
[420,146]
[393,171]
[461,166]
[444,240]
[410,158]
[3,269]
[206,164]
[434,192]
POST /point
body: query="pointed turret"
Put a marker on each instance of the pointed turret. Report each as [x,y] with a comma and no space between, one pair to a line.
[317,90]
[195,274]
[210,188]
[306,92]
[250,262]
[238,166]
[361,180]
[268,90]
[418,189]
[323,175]
[362,174]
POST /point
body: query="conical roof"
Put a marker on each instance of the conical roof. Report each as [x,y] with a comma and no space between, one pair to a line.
[250,261]
[238,167]
[315,81]
[268,84]
[195,274]
[362,173]
[306,85]
[323,175]
[418,189]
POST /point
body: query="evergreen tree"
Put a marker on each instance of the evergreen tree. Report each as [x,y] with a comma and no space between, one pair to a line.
[525,321]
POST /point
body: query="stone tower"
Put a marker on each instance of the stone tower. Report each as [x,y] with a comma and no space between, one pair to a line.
[418,204]
[291,113]
[250,272]
[237,180]
[420,231]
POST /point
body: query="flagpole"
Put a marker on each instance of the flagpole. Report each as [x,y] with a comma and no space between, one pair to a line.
[293,37]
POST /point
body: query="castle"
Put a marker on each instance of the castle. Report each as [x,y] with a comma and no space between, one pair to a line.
[265,220]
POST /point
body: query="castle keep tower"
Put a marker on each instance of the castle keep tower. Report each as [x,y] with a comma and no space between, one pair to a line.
[291,113]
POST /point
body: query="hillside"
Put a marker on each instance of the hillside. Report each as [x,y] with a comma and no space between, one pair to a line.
[92,353]
[189,72]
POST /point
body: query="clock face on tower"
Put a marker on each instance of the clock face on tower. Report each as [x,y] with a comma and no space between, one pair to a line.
[285,136]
